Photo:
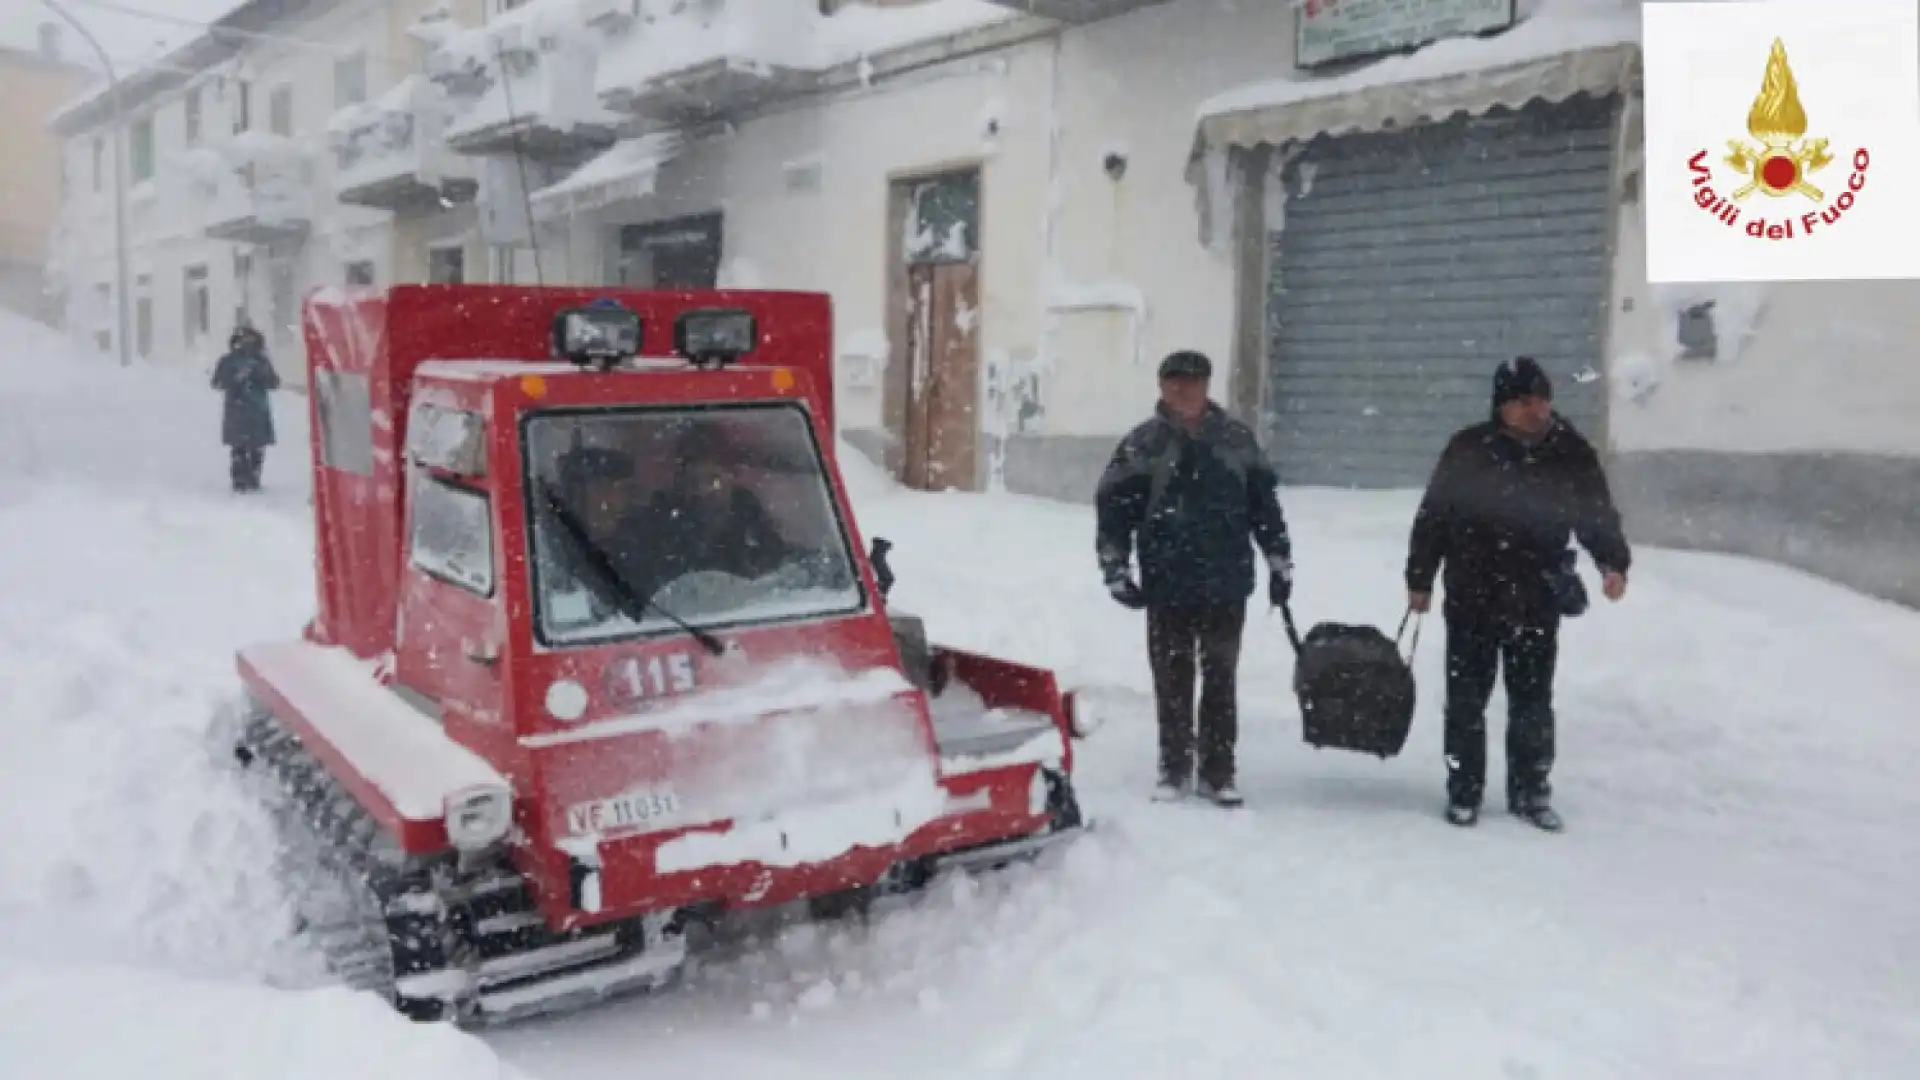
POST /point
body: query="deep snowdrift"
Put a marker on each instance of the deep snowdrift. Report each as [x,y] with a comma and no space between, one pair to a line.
[1732,898]
[91,1023]
[133,871]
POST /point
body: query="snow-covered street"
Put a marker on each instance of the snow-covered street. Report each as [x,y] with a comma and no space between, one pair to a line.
[1733,897]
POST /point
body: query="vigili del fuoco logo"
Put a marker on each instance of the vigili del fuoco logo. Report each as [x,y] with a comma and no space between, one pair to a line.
[1782,167]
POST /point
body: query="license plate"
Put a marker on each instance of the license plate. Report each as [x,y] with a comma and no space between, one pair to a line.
[635,809]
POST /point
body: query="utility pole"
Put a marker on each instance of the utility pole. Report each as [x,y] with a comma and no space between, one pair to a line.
[122,337]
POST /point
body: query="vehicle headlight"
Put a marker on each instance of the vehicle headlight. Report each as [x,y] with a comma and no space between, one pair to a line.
[566,700]
[478,817]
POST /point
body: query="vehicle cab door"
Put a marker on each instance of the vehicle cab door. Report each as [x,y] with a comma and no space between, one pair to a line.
[451,639]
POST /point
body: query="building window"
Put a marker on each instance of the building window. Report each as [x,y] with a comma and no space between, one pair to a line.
[103,315]
[99,163]
[350,81]
[143,315]
[447,265]
[142,149]
[242,107]
[1695,333]
[285,298]
[280,111]
[361,272]
[199,304]
[193,116]
[242,288]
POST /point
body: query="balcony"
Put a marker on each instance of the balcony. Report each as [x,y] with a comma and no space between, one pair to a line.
[707,61]
[524,84]
[1075,12]
[261,193]
[392,154]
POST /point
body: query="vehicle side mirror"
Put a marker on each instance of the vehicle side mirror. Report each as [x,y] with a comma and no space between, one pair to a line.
[878,556]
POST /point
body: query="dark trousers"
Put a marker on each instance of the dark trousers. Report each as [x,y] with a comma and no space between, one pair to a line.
[245,466]
[1476,653]
[1178,640]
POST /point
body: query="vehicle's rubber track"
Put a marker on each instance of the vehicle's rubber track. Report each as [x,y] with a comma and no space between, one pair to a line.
[442,940]
[421,932]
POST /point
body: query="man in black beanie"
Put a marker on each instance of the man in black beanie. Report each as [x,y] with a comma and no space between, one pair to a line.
[1194,486]
[1498,512]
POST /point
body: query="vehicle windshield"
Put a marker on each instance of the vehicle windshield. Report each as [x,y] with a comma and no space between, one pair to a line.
[718,516]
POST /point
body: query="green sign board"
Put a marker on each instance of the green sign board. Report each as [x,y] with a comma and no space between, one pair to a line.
[1334,30]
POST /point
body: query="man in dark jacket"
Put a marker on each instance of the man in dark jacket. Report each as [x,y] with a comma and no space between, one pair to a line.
[1498,512]
[246,376]
[1192,485]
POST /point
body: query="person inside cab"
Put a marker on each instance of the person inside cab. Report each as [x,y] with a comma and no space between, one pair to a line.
[709,520]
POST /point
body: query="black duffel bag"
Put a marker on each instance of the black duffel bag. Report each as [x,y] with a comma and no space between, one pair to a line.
[1356,691]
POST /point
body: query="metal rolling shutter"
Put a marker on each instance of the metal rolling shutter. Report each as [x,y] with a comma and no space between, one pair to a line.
[1410,264]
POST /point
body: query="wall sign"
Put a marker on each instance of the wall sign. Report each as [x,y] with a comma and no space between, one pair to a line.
[1327,31]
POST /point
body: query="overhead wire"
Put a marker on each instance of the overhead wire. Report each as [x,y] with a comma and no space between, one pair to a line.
[214,29]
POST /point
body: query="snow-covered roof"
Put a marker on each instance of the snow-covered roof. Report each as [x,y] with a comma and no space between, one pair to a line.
[558,93]
[1558,49]
[411,94]
[774,34]
[858,30]
[626,170]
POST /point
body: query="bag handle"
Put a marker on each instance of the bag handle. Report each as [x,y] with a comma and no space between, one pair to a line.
[1293,635]
[1415,647]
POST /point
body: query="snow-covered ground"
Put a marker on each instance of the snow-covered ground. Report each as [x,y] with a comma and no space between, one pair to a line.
[1732,898]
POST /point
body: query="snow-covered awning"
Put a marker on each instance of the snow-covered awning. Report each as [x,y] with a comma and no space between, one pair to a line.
[1563,48]
[1560,48]
[626,170]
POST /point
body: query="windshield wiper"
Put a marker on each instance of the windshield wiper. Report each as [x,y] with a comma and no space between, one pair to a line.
[631,602]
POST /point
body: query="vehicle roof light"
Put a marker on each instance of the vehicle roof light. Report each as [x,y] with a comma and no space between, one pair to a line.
[599,335]
[715,337]
[453,440]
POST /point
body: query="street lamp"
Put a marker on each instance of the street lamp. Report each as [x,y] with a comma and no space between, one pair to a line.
[119,179]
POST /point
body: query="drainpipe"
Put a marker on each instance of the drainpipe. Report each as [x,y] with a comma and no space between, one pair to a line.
[122,337]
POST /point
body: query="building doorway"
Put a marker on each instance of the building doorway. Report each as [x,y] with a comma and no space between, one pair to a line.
[933,380]
[683,253]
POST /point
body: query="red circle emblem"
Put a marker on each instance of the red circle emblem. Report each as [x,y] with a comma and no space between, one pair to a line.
[1779,172]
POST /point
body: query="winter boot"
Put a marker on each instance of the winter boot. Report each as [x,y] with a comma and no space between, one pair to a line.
[1534,810]
[1225,795]
[1462,814]
[1169,790]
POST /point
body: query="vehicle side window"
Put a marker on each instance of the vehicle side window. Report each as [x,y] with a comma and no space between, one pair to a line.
[452,535]
[346,421]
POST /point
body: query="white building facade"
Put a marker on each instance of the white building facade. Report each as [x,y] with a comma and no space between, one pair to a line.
[1019,206]
[251,181]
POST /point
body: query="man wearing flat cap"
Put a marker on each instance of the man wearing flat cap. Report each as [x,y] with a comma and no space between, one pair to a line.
[1499,511]
[1193,488]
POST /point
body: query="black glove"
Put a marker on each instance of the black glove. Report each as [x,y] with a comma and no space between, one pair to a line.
[1279,579]
[1123,590]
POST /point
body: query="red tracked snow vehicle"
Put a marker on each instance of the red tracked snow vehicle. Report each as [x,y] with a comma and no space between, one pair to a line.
[598,657]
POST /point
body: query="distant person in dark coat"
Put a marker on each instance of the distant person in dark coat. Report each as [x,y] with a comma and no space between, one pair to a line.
[1195,490]
[1499,512]
[246,376]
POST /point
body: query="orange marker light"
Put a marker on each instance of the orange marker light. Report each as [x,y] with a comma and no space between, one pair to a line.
[533,386]
[782,380]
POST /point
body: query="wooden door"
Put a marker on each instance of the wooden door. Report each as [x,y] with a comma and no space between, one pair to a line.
[943,377]
[938,385]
